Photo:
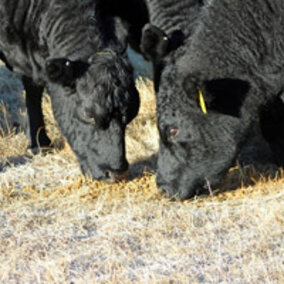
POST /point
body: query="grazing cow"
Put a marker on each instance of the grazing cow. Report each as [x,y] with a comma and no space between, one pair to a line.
[79,55]
[220,87]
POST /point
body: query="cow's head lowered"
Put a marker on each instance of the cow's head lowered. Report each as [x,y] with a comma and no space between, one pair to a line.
[199,115]
[201,128]
[211,91]
[93,101]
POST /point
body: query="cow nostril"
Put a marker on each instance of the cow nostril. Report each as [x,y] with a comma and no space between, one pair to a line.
[109,177]
[108,174]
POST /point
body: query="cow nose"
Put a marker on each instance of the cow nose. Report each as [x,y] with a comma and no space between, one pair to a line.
[114,176]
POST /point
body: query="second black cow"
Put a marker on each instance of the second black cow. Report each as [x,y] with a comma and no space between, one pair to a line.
[222,85]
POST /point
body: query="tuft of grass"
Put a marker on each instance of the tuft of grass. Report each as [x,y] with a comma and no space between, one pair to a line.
[57,226]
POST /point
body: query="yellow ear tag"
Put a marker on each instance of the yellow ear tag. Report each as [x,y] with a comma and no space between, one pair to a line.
[102,53]
[202,102]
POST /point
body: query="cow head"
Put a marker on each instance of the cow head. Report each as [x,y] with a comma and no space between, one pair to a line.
[93,101]
[201,98]
[201,128]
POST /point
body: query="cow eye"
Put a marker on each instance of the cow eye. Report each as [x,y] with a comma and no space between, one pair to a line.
[173,132]
[85,116]
[89,117]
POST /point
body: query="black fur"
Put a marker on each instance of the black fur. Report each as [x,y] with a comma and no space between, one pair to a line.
[164,38]
[235,56]
[134,14]
[79,55]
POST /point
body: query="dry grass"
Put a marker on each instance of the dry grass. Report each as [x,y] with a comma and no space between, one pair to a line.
[58,227]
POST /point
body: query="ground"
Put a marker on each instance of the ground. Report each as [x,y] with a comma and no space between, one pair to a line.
[57,226]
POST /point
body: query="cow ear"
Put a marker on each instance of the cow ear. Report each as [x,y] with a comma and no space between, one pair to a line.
[64,71]
[225,95]
[154,42]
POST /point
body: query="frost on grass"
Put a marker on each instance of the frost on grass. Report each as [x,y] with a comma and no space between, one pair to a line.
[57,226]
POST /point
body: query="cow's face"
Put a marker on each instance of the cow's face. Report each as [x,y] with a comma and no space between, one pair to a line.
[201,128]
[93,102]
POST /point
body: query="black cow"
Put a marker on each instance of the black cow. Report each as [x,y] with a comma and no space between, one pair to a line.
[78,53]
[216,88]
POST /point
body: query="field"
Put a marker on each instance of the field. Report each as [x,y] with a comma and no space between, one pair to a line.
[57,226]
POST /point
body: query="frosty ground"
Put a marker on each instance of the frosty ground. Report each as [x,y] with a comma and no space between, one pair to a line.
[57,226]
